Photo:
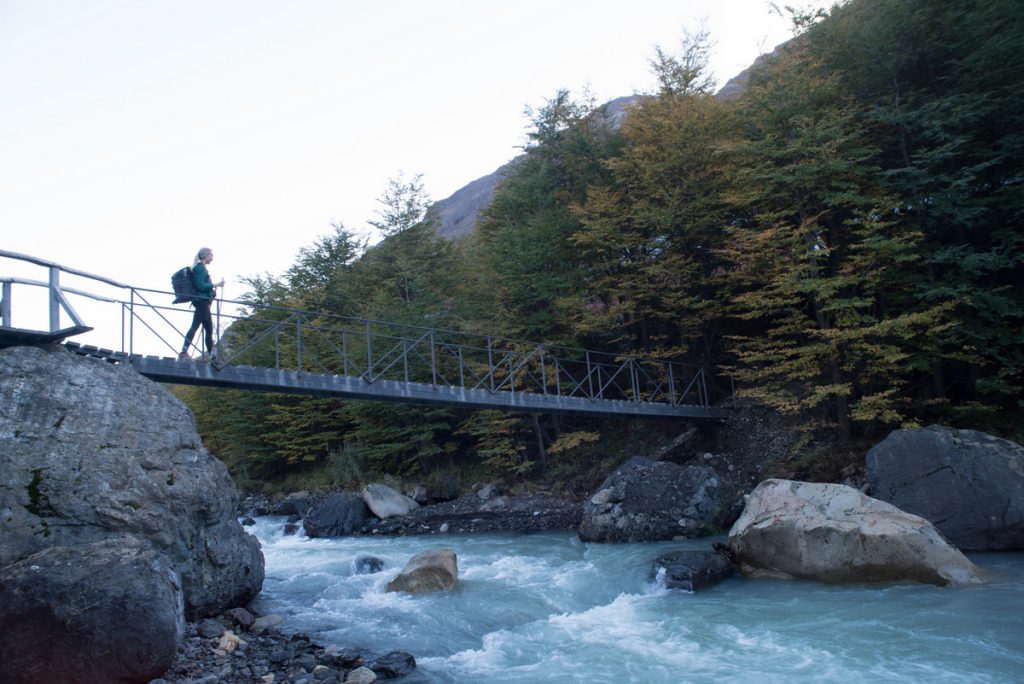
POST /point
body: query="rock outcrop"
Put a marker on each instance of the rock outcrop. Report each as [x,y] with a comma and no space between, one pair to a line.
[428,571]
[834,533]
[339,514]
[969,484]
[100,613]
[93,450]
[499,514]
[386,502]
[648,500]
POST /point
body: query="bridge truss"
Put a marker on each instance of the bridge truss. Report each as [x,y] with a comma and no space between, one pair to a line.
[283,349]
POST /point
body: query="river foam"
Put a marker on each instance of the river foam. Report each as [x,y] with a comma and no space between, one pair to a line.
[547,607]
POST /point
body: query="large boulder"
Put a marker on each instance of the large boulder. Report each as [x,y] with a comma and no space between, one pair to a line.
[969,484]
[103,612]
[647,500]
[339,514]
[386,502]
[93,450]
[428,571]
[834,533]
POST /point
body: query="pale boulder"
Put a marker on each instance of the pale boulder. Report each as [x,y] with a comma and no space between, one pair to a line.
[386,502]
[427,571]
[834,533]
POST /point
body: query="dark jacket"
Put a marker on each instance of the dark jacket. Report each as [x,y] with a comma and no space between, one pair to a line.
[201,279]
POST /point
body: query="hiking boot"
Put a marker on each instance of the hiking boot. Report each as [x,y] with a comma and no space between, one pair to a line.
[183,356]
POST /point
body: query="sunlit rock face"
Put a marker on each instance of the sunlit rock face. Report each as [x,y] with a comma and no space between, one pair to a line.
[834,533]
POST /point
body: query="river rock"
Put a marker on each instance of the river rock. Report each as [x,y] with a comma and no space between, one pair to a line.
[339,514]
[367,565]
[361,675]
[692,570]
[834,533]
[393,665]
[93,450]
[97,613]
[296,503]
[428,571]
[386,502]
[468,513]
[969,484]
[647,500]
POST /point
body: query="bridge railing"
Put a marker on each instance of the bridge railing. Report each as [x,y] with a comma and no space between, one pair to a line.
[291,339]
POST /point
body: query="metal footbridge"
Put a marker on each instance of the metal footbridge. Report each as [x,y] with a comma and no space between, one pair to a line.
[289,350]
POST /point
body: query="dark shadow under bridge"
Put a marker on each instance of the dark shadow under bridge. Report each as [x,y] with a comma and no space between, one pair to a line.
[282,349]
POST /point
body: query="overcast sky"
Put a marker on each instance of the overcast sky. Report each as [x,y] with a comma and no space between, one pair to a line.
[134,132]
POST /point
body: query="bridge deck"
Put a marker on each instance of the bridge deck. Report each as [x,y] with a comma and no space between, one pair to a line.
[192,372]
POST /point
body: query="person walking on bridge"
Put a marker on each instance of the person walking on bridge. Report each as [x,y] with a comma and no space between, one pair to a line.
[205,294]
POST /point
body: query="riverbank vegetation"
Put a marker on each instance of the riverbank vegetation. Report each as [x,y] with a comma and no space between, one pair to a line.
[843,238]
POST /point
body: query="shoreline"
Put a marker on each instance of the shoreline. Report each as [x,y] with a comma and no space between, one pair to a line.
[238,647]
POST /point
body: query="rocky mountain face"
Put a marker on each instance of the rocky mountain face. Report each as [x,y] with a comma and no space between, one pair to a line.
[456,216]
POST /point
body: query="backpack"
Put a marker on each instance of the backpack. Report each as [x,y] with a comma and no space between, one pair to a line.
[184,288]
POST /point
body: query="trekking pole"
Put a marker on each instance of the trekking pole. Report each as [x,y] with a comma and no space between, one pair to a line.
[218,315]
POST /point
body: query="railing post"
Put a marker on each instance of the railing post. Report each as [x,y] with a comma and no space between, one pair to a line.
[543,374]
[433,361]
[54,299]
[490,363]
[634,379]
[5,306]
[298,340]
[405,358]
[369,355]
[344,352]
[671,385]
[131,323]
[590,379]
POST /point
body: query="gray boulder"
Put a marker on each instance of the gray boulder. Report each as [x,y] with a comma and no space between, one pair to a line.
[648,500]
[692,570]
[296,503]
[367,565]
[428,571]
[103,612]
[393,665]
[386,502]
[834,533]
[339,514]
[969,484]
[93,450]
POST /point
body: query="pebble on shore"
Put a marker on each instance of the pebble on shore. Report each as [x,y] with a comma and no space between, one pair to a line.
[240,648]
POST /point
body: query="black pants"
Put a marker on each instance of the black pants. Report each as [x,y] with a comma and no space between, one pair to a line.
[201,317]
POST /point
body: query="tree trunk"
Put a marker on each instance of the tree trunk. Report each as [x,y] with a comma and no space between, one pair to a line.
[542,453]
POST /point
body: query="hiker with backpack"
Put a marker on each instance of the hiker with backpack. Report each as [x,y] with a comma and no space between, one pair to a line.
[205,294]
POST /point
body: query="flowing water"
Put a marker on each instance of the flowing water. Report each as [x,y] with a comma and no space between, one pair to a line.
[549,608]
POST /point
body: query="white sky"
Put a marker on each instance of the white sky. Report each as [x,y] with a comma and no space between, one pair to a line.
[133,132]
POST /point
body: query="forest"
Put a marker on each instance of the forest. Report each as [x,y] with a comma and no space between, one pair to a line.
[843,239]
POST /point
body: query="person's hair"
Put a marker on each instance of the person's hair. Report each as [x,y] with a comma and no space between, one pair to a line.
[200,255]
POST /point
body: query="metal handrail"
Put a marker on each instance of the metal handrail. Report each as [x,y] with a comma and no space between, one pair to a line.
[295,339]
